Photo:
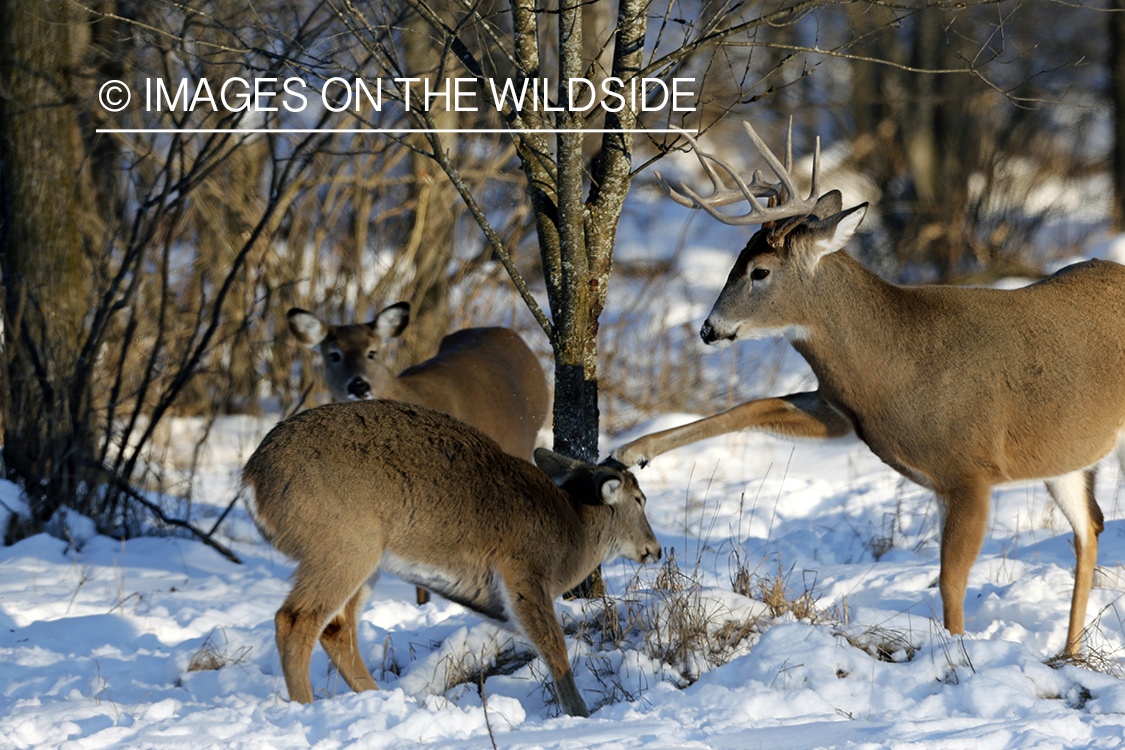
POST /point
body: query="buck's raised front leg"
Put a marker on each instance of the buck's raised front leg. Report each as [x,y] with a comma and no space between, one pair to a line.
[798,415]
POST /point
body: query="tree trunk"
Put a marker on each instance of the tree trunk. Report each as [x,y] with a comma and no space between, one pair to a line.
[576,353]
[1117,95]
[46,276]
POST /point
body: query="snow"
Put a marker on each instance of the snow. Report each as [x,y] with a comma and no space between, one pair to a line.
[96,643]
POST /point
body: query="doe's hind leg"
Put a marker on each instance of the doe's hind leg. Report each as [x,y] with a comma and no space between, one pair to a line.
[322,594]
[535,614]
[340,640]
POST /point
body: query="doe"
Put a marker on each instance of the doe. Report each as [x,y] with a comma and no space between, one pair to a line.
[349,490]
[487,377]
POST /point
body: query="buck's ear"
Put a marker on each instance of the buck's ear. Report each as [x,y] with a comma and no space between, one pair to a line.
[828,204]
[391,321]
[831,234]
[309,329]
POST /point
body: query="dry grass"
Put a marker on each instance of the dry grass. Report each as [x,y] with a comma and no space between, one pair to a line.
[1092,659]
[685,630]
[884,644]
[1096,656]
[774,592]
[211,657]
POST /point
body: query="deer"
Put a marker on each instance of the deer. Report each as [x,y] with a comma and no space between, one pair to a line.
[958,389]
[348,490]
[487,377]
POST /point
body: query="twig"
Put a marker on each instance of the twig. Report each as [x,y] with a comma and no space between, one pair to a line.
[484,705]
[131,493]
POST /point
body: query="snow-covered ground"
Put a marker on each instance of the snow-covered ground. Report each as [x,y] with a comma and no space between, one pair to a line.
[96,645]
[98,641]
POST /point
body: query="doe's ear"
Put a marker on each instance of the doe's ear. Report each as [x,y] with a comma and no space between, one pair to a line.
[610,489]
[831,234]
[392,320]
[557,466]
[309,329]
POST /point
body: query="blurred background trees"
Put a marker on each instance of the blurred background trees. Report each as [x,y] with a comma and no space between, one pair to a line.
[146,274]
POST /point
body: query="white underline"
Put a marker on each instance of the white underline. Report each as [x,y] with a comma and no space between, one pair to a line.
[390,131]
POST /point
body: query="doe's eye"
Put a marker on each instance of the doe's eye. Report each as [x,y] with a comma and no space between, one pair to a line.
[759,273]
[335,356]
[372,354]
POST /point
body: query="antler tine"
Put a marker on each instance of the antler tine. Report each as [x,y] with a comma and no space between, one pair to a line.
[815,192]
[720,194]
[785,190]
[782,173]
[682,200]
[789,146]
[716,184]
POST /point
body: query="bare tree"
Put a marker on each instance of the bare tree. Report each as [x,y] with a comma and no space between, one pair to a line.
[46,230]
[110,313]
[577,185]
[1117,97]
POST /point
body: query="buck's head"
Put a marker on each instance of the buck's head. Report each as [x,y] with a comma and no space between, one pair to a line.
[353,354]
[771,286]
[772,283]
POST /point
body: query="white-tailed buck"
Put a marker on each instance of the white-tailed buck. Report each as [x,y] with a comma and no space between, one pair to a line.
[487,377]
[958,389]
[349,490]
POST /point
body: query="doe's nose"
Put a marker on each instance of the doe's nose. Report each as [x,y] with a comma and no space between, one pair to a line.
[358,388]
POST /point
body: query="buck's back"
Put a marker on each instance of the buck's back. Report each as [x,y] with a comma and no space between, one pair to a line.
[1034,378]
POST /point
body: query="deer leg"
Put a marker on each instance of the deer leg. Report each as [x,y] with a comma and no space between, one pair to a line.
[318,596]
[1074,494]
[297,629]
[798,415]
[962,535]
[535,614]
[421,596]
[340,640]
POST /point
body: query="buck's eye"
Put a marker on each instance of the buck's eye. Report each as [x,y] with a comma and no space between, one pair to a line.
[335,356]
[371,354]
[759,273]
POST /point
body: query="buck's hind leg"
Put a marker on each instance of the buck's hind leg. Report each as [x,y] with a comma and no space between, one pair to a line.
[340,640]
[1074,494]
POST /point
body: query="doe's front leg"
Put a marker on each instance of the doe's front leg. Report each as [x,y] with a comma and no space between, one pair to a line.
[535,614]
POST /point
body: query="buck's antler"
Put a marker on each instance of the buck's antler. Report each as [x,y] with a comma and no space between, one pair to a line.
[789,204]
